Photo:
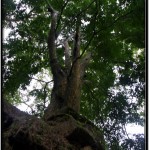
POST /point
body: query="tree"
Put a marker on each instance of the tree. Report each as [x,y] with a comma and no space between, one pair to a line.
[88,42]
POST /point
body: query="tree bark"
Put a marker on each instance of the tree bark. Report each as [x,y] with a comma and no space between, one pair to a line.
[66,130]
[67,80]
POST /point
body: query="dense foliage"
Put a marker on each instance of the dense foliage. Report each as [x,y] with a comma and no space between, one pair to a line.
[112,30]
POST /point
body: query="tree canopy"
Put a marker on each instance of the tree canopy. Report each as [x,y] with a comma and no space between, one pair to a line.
[113,31]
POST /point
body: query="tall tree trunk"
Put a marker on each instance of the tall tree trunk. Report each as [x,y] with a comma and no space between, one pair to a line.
[67,81]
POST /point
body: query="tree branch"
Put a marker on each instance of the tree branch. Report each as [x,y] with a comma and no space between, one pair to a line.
[41,80]
[84,9]
[76,49]
[50,8]
[51,42]
[95,15]
[28,106]
[45,95]
[61,12]
[116,20]
[124,128]
[67,54]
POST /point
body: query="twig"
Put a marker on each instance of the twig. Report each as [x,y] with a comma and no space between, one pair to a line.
[124,128]
[116,20]
[44,101]
[42,80]
[84,9]
[32,110]
[91,92]
[62,9]
[50,7]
